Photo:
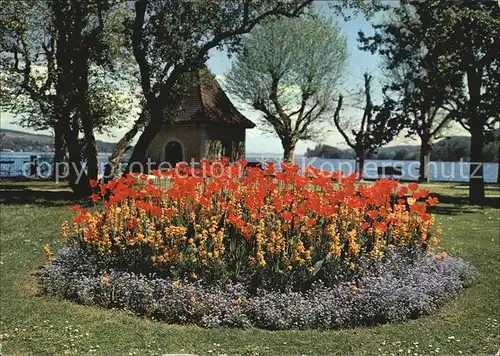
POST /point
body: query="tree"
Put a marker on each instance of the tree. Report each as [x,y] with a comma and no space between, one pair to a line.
[416,78]
[289,71]
[171,38]
[377,126]
[473,38]
[467,38]
[61,55]
[28,58]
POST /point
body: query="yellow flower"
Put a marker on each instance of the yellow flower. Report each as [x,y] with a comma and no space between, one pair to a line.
[47,252]
[65,230]
[261,262]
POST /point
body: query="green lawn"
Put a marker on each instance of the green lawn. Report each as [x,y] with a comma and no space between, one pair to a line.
[33,324]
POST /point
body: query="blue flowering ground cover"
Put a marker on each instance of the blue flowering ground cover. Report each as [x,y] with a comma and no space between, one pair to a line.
[397,288]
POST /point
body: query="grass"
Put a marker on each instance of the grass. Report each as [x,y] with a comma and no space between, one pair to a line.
[33,324]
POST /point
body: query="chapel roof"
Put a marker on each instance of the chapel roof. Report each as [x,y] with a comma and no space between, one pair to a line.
[204,101]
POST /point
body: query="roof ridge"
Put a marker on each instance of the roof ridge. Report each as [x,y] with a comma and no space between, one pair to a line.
[212,91]
[206,101]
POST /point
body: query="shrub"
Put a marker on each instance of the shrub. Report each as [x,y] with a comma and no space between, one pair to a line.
[263,228]
[392,289]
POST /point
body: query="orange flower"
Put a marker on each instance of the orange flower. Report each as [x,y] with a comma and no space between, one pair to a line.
[402,191]
[432,201]
[418,208]
[380,226]
[281,220]
[421,194]
[311,221]
[105,279]
[425,217]
[373,214]
[413,186]
[286,215]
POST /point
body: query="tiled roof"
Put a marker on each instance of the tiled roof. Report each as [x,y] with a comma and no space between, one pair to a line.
[207,102]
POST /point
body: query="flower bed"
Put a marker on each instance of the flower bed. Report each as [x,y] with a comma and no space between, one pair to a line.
[273,249]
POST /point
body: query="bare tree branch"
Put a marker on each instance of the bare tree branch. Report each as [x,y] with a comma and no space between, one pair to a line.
[139,51]
[336,121]
[247,25]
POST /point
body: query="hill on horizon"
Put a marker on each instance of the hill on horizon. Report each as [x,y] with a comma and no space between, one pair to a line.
[451,149]
[20,141]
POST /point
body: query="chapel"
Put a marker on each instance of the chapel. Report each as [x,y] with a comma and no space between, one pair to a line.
[207,126]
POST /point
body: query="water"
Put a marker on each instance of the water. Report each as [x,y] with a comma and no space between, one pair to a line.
[439,171]
[21,165]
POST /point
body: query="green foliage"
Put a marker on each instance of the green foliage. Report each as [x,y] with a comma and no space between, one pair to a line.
[27,59]
[28,43]
[416,76]
[444,63]
[290,70]
[171,38]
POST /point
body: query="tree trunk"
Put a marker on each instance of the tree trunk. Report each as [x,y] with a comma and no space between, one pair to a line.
[66,104]
[91,153]
[88,128]
[425,155]
[360,162]
[78,179]
[288,151]
[81,71]
[476,184]
[498,172]
[498,159]
[112,166]
[137,162]
[59,149]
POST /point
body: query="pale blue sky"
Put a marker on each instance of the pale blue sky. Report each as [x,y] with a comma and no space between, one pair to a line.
[359,62]
[219,64]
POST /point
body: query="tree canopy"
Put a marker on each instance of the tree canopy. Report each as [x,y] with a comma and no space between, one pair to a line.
[415,78]
[290,70]
[63,61]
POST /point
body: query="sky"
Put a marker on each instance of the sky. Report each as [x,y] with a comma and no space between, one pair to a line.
[258,142]
[359,62]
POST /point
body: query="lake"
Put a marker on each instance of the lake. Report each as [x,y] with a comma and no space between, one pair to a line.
[439,171]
